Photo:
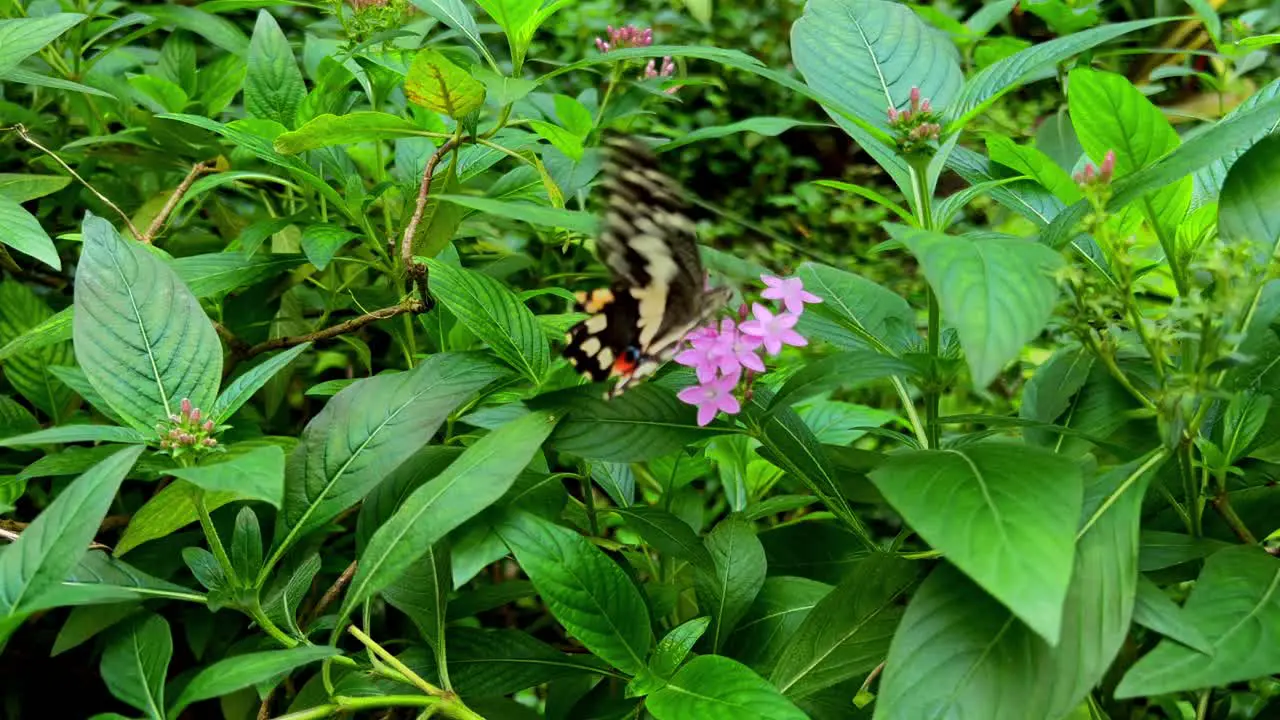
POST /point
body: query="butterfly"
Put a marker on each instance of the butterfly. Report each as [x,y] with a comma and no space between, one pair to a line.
[659,293]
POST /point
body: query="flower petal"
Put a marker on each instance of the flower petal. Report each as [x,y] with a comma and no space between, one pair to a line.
[693,395]
[706,413]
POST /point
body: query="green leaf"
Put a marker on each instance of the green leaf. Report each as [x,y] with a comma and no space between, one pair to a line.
[847,634]
[219,31]
[322,242]
[85,623]
[51,546]
[256,475]
[1033,163]
[997,292]
[24,187]
[21,38]
[1247,211]
[711,687]
[1161,550]
[727,588]
[75,433]
[235,395]
[169,510]
[435,83]
[456,15]
[282,605]
[563,140]
[778,611]
[1109,113]
[141,336]
[366,431]
[1049,392]
[676,645]
[518,19]
[587,592]
[767,126]
[240,671]
[20,310]
[984,88]
[477,479]
[641,424]
[957,652]
[846,370]
[1245,417]
[24,233]
[101,579]
[273,86]
[869,54]
[1235,605]
[1210,178]
[855,312]
[537,215]
[135,662]
[350,129]
[1012,533]
[492,663]
[494,314]
[427,463]
[422,592]
[212,274]
[667,534]
[1154,610]
[246,544]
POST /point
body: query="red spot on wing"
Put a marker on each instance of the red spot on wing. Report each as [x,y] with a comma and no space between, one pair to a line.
[624,365]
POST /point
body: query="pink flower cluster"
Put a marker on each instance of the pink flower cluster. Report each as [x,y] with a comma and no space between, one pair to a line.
[719,355]
[185,432]
[917,125]
[1100,175]
[668,69]
[628,36]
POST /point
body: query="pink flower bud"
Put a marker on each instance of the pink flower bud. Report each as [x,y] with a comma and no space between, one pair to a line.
[1088,173]
[893,115]
[210,442]
[1108,165]
[924,106]
[208,426]
[602,46]
[186,406]
[195,415]
[915,98]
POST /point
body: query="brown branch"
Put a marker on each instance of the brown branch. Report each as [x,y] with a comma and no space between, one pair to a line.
[22,133]
[333,592]
[1223,505]
[416,271]
[156,224]
[238,346]
[410,306]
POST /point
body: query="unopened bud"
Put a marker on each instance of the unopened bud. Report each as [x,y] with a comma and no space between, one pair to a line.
[186,406]
[208,426]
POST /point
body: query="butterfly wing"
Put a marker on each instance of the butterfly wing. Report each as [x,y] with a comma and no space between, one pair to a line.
[649,244]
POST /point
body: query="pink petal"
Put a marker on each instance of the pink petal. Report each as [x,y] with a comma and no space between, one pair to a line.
[689,358]
[771,280]
[785,321]
[793,338]
[772,345]
[706,413]
[706,372]
[729,404]
[751,361]
[809,297]
[693,395]
[772,293]
[753,328]
[761,313]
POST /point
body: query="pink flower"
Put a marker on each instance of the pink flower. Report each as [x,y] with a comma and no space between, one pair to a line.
[789,291]
[721,353]
[774,331]
[711,398]
[625,37]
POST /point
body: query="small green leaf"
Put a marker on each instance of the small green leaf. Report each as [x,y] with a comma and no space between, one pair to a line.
[21,38]
[563,140]
[350,129]
[846,370]
[539,215]
[477,479]
[236,394]
[212,274]
[141,336]
[24,233]
[855,312]
[273,86]
[75,433]
[727,588]
[246,545]
[494,314]
[1014,534]
[1033,163]
[322,242]
[1248,212]
[435,83]
[50,547]
[1235,604]
[422,592]
[711,687]
[997,292]
[767,126]
[257,475]
[456,15]
[217,30]
[135,662]
[169,510]
[667,534]
[241,671]
[20,310]
[24,187]
[778,611]
[1156,611]
[587,592]
[493,663]
[643,423]
[676,645]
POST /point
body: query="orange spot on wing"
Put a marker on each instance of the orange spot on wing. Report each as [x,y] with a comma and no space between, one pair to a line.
[624,365]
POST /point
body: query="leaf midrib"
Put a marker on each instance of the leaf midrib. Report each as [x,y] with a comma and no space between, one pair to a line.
[146,341]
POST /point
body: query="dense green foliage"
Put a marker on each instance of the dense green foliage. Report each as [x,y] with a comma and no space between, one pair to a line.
[285,430]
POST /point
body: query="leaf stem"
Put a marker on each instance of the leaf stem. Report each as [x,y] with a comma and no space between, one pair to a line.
[419,272]
[589,499]
[1222,503]
[919,170]
[215,542]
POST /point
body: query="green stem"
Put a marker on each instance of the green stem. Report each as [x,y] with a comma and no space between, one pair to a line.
[215,542]
[271,628]
[608,92]
[919,169]
[589,499]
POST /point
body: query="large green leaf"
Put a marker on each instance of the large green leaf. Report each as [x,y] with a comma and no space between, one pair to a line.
[845,370]
[240,390]
[1155,610]
[996,79]
[712,687]
[1005,514]
[1033,163]
[855,312]
[957,652]
[273,86]
[727,588]
[55,541]
[20,310]
[435,83]
[869,54]
[489,663]
[766,629]
[101,579]
[255,475]
[212,274]
[1109,113]
[473,482]
[135,662]
[385,499]
[494,314]
[1209,179]
[847,634]
[1249,208]
[24,233]
[767,126]
[217,30]
[587,592]
[169,510]
[1236,605]
[456,15]
[997,292]
[140,335]
[23,187]
[422,592]
[240,671]
[352,128]
[75,433]
[22,37]
[667,534]
[643,423]
[366,431]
